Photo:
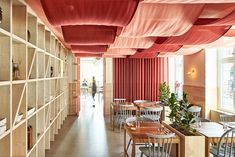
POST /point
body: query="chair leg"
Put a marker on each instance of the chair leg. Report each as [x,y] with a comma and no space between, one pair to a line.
[141,155]
[128,144]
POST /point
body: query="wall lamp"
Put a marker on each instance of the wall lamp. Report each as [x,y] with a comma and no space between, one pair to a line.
[191,72]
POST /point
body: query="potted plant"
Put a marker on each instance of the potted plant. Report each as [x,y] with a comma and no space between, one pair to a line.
[164,93]
[181,119]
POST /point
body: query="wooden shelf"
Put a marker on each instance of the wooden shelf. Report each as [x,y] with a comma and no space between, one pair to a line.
[28,50]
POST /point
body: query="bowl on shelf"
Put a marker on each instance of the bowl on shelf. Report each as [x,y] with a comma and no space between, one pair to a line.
[19,117]
[30,110]
[3,121]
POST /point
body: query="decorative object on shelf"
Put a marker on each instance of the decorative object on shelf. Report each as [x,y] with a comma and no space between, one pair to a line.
[3,129]
[19,117]
[28,35]
[30,110]
[0,15]
[30,137]
[52,71]
[164,93]
[180,116]
[16,70]
[3,121]
[38,134]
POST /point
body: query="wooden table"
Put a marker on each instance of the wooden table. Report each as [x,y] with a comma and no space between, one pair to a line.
[212,132]
[138,135]
[114,109]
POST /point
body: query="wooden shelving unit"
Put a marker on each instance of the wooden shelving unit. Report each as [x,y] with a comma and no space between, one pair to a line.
[33,82]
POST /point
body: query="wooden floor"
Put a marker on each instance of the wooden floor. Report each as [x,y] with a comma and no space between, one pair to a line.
[88,135]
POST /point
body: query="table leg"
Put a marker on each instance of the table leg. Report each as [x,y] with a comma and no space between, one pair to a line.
[125,151]
[178,149]
[133,148]
[207,151]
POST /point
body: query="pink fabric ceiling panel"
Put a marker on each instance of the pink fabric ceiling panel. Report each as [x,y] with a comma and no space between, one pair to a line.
[89,35]
[188,1]
[162,20]
[87,55]
[138,43]
[163,47]
[112,56]
[199,35]
[217,10]
[230,33]
[89,12]
[144,55]
[182,51]
[226,21]
[120,51]
[89,48]
[221,42]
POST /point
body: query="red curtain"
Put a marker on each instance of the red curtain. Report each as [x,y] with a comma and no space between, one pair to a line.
[138,78]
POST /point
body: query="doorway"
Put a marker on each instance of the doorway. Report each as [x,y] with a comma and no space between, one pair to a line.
[89,68]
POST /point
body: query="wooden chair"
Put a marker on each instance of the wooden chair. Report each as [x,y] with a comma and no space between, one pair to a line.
[158,145]
[119,100]
[226,145]
[135,120]
[227,118]
[153,113]
[125,112]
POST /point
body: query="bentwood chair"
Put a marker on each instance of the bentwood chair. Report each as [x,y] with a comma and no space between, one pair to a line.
[153,113]
[125,112]
[135,120]
[119,100]
[227,118]
[226,145]
[158,145]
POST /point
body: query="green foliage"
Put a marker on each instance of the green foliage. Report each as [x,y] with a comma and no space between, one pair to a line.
[164,92]
[180,116]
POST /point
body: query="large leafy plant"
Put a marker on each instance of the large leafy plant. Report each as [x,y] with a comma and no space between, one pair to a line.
[179,115]
[164,92]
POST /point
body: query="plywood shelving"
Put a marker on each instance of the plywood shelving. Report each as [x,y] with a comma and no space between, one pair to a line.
[33,82]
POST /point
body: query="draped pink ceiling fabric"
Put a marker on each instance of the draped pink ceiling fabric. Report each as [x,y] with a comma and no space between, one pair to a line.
[226,21]
[89,48]
[145,55]
[136,79]
[120,51]
[163,48]
[221,42]
[162,20]
[89,35]
[80,55]
[89,12]
[188,1]
[199,35]
[182,51]
[138,43]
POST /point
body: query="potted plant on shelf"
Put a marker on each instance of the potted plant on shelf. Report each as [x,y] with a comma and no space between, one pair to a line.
[164,93]
[181,119]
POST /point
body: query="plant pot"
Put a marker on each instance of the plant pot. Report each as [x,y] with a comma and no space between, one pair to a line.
[191,144]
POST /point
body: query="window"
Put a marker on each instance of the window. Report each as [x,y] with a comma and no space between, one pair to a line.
[176,75]
[226,79]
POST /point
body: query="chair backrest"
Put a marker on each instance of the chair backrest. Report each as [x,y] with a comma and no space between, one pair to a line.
[153,113]
[226,146]
[126,110]
[195,110]
[140,119]
[227,118]
[141,101]
[160,145]
[119,100]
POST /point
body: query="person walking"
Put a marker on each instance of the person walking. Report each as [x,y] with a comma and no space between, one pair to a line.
[94,88]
